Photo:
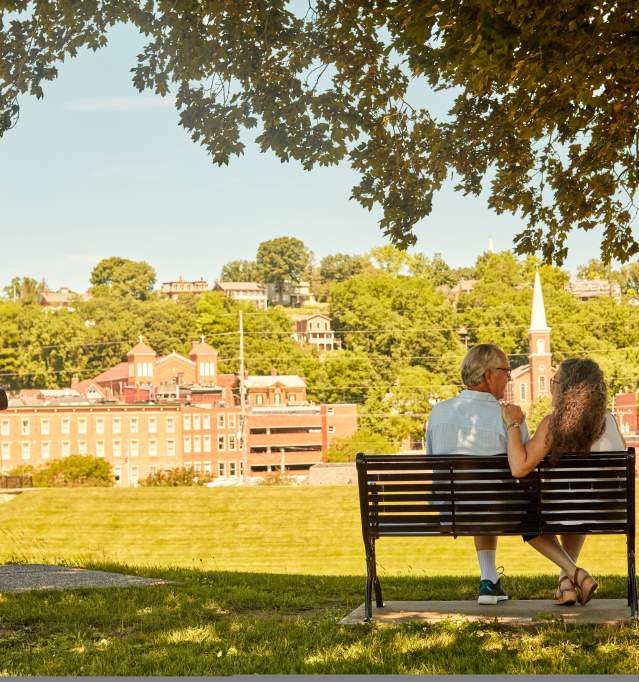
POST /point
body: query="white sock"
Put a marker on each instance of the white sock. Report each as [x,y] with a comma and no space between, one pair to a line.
[488,564]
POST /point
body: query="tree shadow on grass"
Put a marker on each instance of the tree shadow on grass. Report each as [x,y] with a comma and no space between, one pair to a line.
[223,623]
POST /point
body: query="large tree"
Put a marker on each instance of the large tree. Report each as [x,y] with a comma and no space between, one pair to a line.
[240,271]
[544,96]
[283,260]
[123,277]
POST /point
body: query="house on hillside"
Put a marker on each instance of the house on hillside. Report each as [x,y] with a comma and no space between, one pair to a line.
[292,295]
[174,290]
[315,330]
[244,292]
[62,298]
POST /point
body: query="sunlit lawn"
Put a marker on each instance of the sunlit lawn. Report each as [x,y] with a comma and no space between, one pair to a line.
[261,579]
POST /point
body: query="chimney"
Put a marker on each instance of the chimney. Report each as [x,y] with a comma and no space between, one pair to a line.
[75,380]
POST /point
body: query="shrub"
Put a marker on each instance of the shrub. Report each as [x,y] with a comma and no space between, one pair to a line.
[72,472]
[277,478]
[176,477]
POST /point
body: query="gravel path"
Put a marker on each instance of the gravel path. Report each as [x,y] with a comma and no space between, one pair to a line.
[25,577]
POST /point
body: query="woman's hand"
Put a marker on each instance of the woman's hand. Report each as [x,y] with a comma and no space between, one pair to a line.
[512,413]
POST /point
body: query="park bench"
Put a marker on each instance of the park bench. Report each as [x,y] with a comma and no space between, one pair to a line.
[15,482]
[462,495]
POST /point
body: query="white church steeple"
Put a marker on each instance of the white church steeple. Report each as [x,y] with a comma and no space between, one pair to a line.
[538,317]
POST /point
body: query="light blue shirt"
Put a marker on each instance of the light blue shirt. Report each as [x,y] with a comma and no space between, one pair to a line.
[470,424]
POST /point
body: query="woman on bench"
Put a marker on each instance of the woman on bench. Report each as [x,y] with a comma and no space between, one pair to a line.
[579,422]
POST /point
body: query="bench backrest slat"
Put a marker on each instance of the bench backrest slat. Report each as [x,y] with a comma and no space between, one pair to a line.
[472,495]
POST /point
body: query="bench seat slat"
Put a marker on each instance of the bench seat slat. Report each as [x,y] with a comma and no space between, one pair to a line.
[514,496]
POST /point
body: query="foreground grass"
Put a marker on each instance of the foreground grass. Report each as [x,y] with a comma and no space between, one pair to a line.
[305,530]
[222,623]
[261,578]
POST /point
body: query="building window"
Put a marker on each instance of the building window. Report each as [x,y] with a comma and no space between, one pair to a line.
[522,392]
[153,425]
[82,425]
[259,399]
[82,447]
[170,425]
[170,448]
[153,448]
[66,426]
[197,466]
[221,443]
[152,470]
[99,448]
[25,450]
[99,424]
[25,427]
[65,448]
[134,448]
[221,469]
[232,469]
[542,384]
[241,468]
[5,428]
[206,422]
[6,452]
[207,468]
[117,448]
[134,424]
[220,421]
[117,425]
[45,449]
[331,429]
[330,410]
[231,442]
[278,399]
[206,443]
[231,421]
[187,422]
[197,444]
[117,473]
[44,427]
[187,443]
[135,476]
[196,422]
[541,346]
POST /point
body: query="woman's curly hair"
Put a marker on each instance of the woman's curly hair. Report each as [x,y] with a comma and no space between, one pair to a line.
[579,417]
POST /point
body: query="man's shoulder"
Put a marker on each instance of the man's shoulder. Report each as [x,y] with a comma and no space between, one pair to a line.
[466,399]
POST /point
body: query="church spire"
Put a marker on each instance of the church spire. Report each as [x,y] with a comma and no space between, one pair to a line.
[538,317]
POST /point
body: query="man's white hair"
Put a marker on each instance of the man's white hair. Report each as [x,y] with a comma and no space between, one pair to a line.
[479,359]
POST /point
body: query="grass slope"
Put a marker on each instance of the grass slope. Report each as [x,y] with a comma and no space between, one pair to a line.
[245,598]
[305,530]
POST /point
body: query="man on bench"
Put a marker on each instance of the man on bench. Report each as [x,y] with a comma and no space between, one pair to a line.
[472,424]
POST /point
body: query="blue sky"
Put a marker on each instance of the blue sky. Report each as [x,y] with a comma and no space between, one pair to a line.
[96,170]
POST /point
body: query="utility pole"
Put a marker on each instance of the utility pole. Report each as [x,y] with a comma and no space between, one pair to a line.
[243,405]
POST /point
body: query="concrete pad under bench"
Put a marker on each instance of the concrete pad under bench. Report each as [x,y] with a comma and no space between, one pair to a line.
[26,577]
[512,612]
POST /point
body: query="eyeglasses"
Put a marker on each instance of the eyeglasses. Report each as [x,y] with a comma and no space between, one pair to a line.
[508,370]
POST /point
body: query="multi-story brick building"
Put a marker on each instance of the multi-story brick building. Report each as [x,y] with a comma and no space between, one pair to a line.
[169,412]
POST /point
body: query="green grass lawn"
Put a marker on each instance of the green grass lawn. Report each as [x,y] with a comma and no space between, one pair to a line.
[261,578]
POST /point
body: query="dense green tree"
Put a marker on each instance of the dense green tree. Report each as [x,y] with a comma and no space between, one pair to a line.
[341,266]
[24,289]
[593,269]
[346,449]
[241,271]
[282,260]
[390,259]
[123,277]
[345,377]
[436,269]
[74,471]
[552,123]
[628,279]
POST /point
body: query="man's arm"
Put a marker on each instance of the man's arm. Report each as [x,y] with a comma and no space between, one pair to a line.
[429,440]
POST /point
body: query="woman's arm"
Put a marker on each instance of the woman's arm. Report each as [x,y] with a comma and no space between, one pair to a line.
[523,458]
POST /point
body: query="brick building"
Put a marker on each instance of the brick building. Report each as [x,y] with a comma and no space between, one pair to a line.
[153,413]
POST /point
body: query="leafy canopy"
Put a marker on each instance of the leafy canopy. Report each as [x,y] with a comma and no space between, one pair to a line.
[544,96]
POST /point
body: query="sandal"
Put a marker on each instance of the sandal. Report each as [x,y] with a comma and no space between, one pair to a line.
[586,586]
[566,596]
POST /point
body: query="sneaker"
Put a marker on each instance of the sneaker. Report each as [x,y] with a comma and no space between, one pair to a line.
[491,593]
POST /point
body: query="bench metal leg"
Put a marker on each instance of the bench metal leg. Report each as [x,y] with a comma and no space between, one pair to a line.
[379,602]
[632,580]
